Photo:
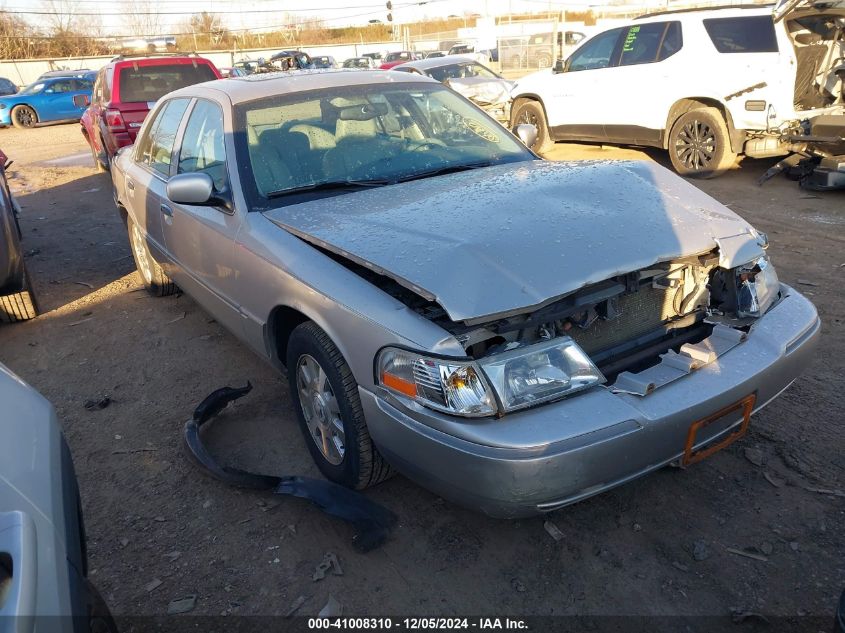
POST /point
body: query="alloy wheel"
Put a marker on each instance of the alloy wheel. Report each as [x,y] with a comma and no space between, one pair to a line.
[25,117]
[695,145]
[320,409]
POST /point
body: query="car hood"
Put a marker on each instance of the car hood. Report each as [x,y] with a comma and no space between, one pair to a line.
[17,98]
[503,239]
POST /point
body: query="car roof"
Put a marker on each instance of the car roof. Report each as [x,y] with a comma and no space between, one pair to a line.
[243,89]
[703,13]
[50,74]
[437,62]
[157,60]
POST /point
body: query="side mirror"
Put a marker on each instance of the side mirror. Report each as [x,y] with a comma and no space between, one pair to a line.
[527,133]
[559,67]
[195,188]
[81,101]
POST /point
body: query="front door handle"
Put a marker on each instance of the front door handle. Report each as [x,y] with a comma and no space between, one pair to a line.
[166,210]
[130,185]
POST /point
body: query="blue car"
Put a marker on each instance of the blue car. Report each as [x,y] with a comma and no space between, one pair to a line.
[52,99]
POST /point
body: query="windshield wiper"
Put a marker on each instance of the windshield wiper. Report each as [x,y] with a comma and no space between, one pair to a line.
[328,186]
[450,169]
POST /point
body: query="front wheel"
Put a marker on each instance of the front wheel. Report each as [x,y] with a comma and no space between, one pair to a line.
[24,117]
[532,112]
[700,145]
[99,165]
[155,280]
[325,396]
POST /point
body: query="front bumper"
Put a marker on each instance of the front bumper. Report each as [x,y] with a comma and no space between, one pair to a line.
[554,455]
[6,116]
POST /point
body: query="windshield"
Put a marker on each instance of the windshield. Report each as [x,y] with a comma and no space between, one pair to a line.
[461,71]
[395,57]
[367,135]
[150,83]
[32,89]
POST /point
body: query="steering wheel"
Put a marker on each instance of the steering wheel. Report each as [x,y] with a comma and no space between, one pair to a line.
[415,146]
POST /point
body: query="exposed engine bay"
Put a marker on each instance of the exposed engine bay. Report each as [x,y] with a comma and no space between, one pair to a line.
[626,323]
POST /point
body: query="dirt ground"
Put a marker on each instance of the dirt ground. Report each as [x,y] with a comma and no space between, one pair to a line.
[158,530]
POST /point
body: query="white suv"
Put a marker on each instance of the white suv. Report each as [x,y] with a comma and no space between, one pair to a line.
[705,84]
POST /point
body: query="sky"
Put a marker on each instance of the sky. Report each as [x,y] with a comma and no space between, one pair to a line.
[264,15]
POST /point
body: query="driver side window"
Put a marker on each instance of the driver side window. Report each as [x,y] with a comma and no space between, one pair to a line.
[203,149]
[597,53]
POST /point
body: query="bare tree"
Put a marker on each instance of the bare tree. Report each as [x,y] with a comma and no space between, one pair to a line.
[142,17]
[61,16]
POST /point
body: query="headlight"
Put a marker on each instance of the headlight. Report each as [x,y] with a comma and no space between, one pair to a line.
[521,377]
[757,287]
[541,372]
[445,385]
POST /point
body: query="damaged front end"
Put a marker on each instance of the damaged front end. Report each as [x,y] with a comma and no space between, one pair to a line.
[817,161]
[634,332]
[491,95]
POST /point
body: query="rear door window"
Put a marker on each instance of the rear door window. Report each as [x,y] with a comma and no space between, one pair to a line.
[641,43]
[744,34]
[164,135]
[150,83]
[648,43]
[673,41]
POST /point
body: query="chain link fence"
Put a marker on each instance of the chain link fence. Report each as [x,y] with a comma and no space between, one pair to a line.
[537,50]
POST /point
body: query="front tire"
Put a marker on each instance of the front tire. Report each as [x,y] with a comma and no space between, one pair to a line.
[532,112]
[155,280]
[700,145]
[329,411]
[24,117]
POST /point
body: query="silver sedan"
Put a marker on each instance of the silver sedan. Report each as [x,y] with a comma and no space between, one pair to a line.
[511,333]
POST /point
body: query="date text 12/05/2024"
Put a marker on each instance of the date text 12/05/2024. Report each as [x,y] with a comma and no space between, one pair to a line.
[416,623]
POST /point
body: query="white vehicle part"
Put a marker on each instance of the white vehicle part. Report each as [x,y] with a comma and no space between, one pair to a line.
[675,365]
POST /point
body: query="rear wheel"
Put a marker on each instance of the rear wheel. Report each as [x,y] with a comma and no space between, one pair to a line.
[155,280]
[24,117]
[329,410]
[19,306]
[532,112]
[699,144]
[100,164]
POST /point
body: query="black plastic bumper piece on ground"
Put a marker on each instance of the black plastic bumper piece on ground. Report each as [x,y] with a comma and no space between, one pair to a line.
[372,521]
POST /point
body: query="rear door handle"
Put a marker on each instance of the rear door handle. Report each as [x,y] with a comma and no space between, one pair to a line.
[166,210]
[130,185]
